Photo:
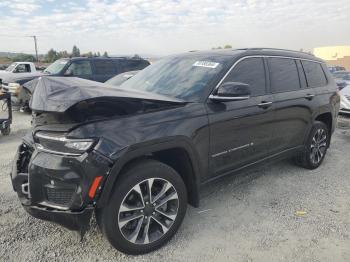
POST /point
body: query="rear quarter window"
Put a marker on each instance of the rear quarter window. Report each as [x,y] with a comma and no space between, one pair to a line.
[284,75]
[314,74]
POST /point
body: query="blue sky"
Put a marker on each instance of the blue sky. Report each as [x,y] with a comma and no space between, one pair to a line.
[163,27]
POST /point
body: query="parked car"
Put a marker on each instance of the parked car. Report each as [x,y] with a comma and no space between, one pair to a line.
[137,154]
[121,78]
[336,68]
[93,68]
[23,70]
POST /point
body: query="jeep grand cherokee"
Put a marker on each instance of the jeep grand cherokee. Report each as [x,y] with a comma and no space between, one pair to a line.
[137,154]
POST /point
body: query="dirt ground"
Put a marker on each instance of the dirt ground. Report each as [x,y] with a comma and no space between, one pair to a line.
[279,212]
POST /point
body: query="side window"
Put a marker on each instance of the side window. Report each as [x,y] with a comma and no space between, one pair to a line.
[250,71]
[104,67]
[131,65]
[80,68]
[284,75]
[28,68]
[314,74]
[22,68]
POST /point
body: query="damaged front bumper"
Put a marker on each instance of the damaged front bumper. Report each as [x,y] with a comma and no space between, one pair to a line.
[55,187]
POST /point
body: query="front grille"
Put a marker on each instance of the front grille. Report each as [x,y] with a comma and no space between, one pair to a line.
[59,196]
[347,97]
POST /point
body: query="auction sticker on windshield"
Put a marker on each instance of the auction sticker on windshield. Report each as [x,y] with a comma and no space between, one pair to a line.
[207,64]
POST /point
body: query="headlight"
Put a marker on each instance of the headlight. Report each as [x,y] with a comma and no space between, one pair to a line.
[59,144]
[14,88]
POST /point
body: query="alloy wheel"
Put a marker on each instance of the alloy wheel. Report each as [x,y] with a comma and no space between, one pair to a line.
[318,146]
[148,211]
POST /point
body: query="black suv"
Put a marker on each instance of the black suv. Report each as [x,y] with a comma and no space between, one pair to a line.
[137,154]
[97,69]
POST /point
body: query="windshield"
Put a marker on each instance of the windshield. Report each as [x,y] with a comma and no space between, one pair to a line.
[121,78]
[11,67]
[56,67]
[181,77]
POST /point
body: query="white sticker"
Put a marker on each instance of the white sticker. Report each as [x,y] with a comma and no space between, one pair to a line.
[207,64]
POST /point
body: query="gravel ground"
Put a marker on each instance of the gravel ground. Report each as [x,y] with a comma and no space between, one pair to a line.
[278,213]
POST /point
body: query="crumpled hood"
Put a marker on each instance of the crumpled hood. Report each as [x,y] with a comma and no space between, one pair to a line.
[58,94]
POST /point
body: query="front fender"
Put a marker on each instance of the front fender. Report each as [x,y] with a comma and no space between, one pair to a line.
[146,149]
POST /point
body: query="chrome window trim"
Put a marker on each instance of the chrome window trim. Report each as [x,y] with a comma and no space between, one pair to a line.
[256,56]
[228,97]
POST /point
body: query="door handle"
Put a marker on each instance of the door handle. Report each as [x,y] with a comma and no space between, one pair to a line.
[309,96]
[265,104]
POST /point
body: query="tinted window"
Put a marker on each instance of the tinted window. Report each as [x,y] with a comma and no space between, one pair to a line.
[314,74]
[131,65]
[79,68]
[104,67]
[250,71]
[283,75]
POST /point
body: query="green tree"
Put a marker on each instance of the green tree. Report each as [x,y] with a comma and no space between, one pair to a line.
[105,54]
[98,54]
[75,51]
[23,58]
[63,54]
[228,46]
[51,56]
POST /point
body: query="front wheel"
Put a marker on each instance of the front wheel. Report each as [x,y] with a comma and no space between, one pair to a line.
[146,209]
[316,147]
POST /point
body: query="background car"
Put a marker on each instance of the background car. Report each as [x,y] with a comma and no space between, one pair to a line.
[97,69]
[121,78]
[336,68]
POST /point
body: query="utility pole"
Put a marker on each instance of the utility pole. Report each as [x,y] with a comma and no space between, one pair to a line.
[36,47]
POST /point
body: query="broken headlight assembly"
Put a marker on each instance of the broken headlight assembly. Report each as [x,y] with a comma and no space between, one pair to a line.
[58,143]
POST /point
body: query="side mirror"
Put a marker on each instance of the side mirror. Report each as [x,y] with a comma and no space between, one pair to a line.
[231,91]
[68,73]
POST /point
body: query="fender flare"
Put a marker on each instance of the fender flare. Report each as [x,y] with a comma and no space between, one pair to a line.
[146,149]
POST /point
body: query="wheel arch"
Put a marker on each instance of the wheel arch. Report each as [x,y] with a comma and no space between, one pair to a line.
[178,153]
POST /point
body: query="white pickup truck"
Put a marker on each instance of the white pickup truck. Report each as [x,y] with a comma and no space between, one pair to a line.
[16,70]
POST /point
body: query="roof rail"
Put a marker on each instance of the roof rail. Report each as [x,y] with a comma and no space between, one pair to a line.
[277,49]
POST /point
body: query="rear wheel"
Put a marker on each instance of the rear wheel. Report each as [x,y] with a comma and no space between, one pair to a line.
[146,208]
[316,147]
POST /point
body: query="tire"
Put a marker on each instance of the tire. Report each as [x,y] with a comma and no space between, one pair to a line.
[126,202]
[315,147]
[6,131]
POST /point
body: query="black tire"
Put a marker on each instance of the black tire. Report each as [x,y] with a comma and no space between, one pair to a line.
[6,131]
[307,158]
[108,217]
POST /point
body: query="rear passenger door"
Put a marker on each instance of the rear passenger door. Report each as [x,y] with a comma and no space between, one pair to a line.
[240,131]
[104,69]
[294,103]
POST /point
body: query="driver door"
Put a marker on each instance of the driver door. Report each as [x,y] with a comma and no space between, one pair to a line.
[240,131]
